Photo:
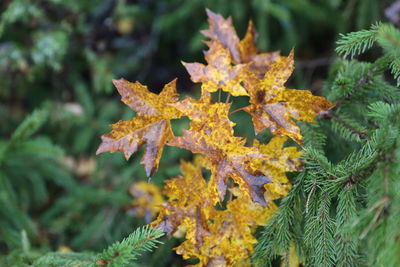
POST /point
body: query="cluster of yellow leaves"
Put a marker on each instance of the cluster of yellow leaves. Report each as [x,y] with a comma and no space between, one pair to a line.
[217,237]
[253,175]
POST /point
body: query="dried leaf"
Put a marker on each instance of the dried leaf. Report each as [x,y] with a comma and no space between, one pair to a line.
[144,102]
[252,175]
[242,51]
[215,237]
[222,30]
[203,109]
[248,47]
[274,107]
[151,127]
[228,156]
[219,73]
[147,201]
[291,259]
[283,160]
[259,63]
[185,194]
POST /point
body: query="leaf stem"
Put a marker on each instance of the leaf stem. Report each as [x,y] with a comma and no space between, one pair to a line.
[228,98]
[236,110]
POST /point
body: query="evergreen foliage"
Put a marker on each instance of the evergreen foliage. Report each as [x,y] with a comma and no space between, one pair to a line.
[119,254]
[344,208]
[27,163]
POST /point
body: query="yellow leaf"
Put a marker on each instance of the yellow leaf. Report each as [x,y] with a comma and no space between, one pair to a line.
[219,73]
[243,51]
[147,201]
[291,259]
[151,127]
[228,156]
[274,107]
[216,237]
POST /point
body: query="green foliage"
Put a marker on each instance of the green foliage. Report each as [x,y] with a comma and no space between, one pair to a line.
[355,43]
[386,35]
[348,194]
[122,253]
[26,164]
[119,254]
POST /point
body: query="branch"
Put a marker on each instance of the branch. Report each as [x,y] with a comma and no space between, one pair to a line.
[348,126]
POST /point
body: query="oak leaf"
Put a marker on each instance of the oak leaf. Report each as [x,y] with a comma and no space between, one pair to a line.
[151,126]
[274,107]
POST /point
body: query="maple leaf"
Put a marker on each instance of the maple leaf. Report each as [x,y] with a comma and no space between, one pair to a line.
[186,195]
[222,30]
[151,127]
[148,198]
[228,155]
[215,237]
[228,238]
[242,51]
[274,107]
[231,239]
[218,237]
[283,160]
[203,110]
[219,73]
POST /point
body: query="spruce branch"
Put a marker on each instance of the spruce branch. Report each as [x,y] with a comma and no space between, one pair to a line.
[363,80]
[122,253]
[356,43]
[353,130]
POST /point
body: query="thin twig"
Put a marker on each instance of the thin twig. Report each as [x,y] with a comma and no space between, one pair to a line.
[380,205]
[359,83]
[348,126]
[228,98]
[236,110]
[313,63]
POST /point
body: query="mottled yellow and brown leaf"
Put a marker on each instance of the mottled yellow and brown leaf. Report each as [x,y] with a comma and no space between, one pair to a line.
[219,73]
[222,30]
[247,46]
[274,107]
[202,110]
[229,157]
[187,194]
[216,237]
[151,127]
[242,51]
[283,159]
[140,99]
[147,201]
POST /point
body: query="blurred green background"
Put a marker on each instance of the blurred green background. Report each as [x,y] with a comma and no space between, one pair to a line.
[57,60]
